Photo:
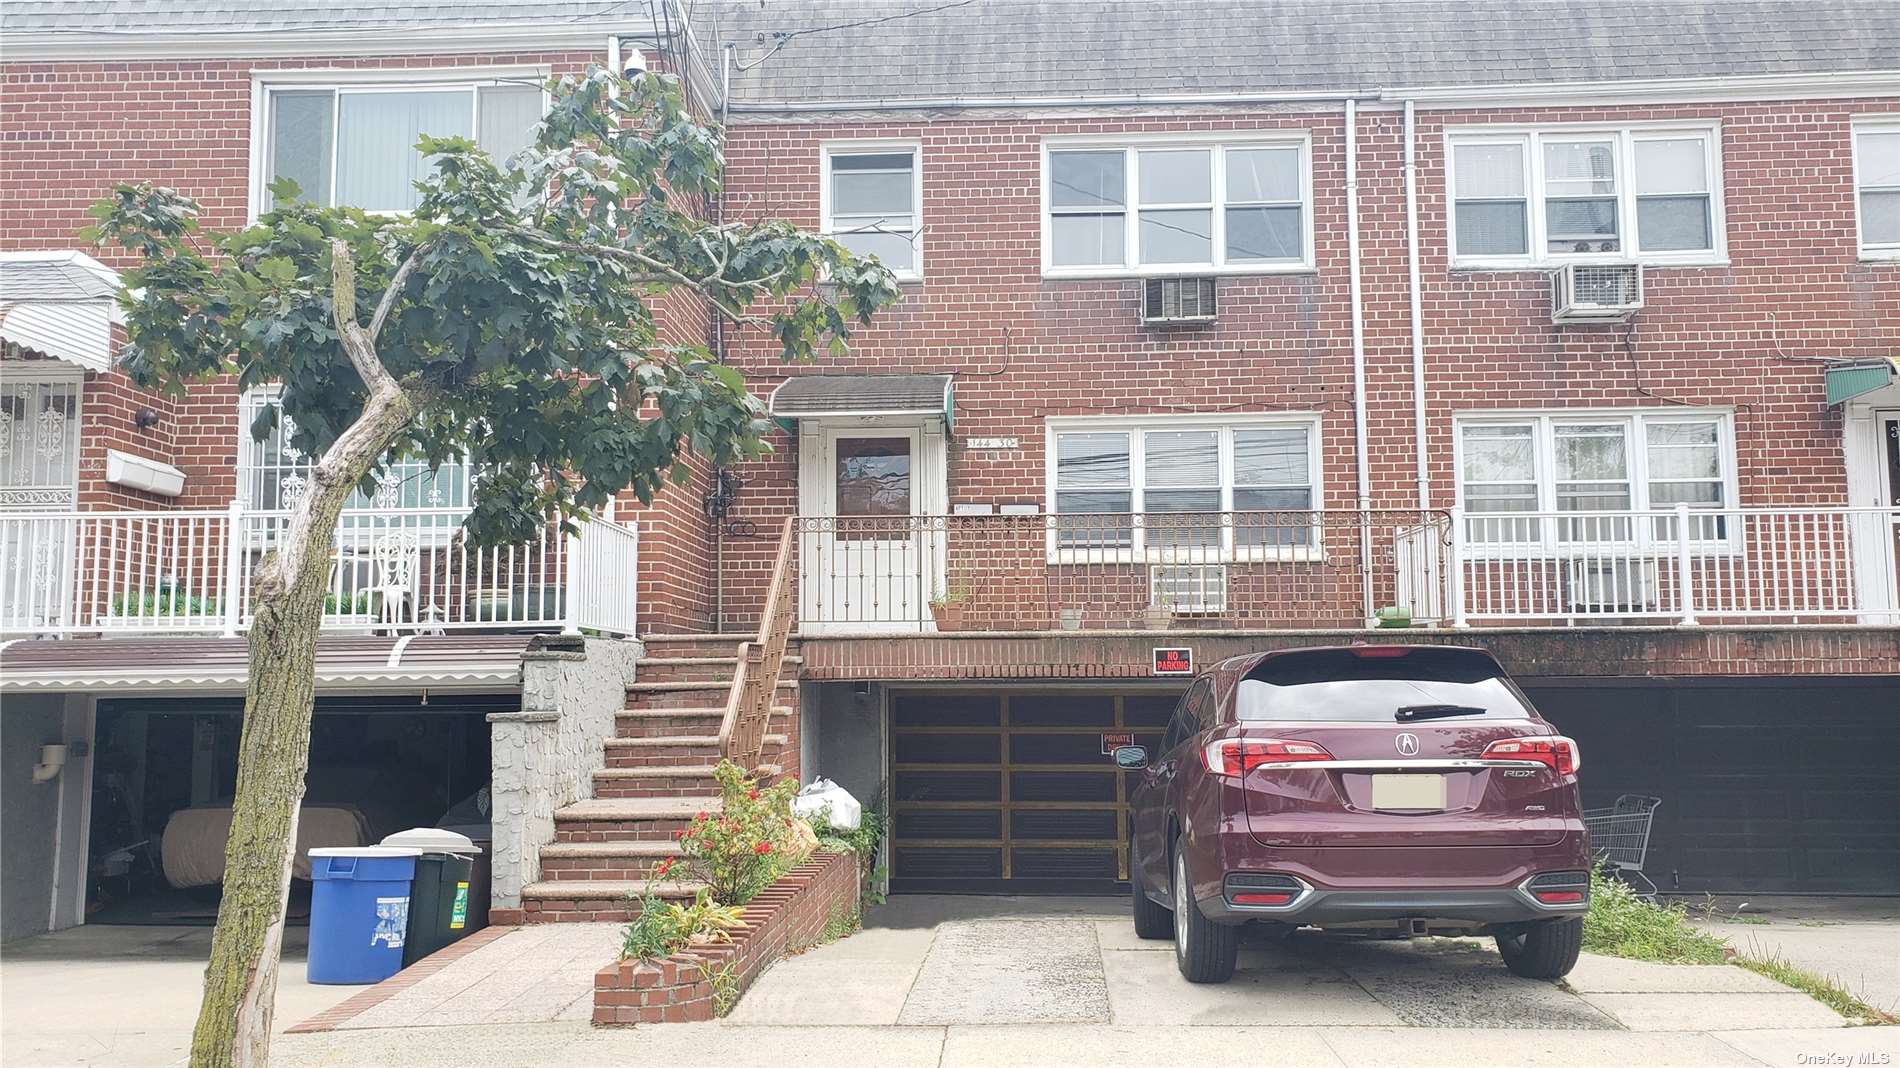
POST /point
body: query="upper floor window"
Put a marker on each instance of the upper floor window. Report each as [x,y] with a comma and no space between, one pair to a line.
[1601,465]
[1877,186]
[873,203]
[1642,193]
[355,145]
[1158,208]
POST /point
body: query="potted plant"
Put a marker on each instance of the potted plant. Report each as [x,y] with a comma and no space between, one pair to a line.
[947,608]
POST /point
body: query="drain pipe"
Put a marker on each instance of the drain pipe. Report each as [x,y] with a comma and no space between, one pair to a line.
[1418,321]
[1360,443]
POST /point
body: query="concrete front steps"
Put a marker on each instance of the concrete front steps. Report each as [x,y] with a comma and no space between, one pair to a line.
[658,774]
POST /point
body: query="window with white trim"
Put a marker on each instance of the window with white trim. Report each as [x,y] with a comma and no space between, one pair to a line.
[355,145]
[1196,485]
[272,473]
[1647,193]
[1877,188]
[1155,208]
[1589,463]
[873,203]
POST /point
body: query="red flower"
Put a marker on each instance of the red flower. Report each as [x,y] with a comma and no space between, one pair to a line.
[664,867]
[753,796]
[762,848]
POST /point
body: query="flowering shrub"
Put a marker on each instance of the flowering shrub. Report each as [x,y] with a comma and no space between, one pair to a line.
[750,842]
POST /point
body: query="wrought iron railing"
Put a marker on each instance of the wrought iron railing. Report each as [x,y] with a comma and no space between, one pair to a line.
[743,730]
[399,570]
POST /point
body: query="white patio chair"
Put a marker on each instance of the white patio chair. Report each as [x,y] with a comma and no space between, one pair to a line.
[397,556]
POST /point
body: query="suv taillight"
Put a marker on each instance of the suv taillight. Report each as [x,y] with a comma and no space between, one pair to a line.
[1557,753]
[1238,756]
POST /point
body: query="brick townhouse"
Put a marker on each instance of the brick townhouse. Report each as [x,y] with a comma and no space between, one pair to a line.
[1566,329]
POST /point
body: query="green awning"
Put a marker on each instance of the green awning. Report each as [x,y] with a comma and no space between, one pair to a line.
[1849,380]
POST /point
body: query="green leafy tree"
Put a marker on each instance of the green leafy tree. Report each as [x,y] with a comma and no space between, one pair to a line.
[509,318]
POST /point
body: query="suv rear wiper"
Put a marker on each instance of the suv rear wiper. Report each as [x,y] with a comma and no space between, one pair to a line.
[1407,713]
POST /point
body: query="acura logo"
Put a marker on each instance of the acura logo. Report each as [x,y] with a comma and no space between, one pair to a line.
[1407,744]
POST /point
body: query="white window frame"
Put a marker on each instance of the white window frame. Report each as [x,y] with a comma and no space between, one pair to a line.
[266,82]
[1131,147]
[878,147]
[1887,124]
[257,397]
[1548,540]
[1625,136]
[1224,427]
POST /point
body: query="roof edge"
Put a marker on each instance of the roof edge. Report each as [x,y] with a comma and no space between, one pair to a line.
[364,40]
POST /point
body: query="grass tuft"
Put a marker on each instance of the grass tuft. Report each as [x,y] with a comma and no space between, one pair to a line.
[1822,988]
[1620,924]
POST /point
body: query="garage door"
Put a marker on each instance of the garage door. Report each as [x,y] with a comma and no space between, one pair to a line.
[1012,792]
[1773,786]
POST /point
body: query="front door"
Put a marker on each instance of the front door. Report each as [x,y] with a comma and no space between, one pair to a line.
[865,552]
[39,478]
[1889,424]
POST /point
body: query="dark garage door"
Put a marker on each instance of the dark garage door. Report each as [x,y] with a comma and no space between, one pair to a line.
[1767,785]
[1011,792]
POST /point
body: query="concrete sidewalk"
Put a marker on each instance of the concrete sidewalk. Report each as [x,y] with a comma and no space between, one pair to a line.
[1856,941]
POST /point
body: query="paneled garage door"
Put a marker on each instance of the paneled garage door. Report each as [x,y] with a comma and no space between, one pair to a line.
[1012,792]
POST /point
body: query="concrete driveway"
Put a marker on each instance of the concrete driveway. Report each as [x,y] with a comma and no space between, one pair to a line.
[1854,940]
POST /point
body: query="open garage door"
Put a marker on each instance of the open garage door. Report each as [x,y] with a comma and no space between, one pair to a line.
[1014,792]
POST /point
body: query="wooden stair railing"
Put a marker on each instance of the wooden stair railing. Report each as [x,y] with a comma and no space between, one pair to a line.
[755,682]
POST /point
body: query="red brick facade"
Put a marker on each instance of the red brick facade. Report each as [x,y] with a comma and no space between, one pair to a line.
[1741,336]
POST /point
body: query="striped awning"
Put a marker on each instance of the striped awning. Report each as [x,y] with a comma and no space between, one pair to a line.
[813,396]
[219,665]
[59,304]
[1845,381]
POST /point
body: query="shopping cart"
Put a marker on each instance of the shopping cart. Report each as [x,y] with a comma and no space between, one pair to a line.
[1619,836]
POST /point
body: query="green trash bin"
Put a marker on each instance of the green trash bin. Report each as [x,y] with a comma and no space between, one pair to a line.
[440,912]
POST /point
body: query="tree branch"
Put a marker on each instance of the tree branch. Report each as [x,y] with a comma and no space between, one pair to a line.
[664,272]
[395,288]
[358,344]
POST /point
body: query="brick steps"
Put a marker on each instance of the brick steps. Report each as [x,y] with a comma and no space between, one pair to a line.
[563,862]
[688,694]
[651,722]
[668,751]
[595,900]
[661,781]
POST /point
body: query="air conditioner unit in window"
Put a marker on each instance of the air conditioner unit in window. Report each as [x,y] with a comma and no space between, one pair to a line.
[1612,587]
[1188,589]
[1177,300]
[1595,292]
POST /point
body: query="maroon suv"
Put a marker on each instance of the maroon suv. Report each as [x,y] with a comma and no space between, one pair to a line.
[1393,789]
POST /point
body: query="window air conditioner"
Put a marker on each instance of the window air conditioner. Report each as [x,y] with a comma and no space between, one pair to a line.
[1177,300]
[1188,589]
[1595,292]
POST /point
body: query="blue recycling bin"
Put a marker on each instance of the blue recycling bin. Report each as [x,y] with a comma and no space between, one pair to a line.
[359,912]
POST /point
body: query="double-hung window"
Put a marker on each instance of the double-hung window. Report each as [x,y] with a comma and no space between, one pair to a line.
[1877,187]
[1184,487]
[873,203]
[272,473]
[355,144]
[1559,195]
[1602,466]
[1167,207]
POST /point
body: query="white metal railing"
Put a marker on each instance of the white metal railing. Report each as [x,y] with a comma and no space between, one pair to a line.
[1686,565]
[392,570]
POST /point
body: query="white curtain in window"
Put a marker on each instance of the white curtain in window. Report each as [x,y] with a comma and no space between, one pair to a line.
[507,114]
[377,164]
[300,140]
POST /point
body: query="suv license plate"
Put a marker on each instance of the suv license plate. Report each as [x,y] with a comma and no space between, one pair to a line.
[1408,791]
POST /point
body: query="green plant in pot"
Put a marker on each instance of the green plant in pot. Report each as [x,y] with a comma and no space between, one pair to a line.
[947,607]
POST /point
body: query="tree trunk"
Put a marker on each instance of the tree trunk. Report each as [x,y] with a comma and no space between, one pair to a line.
[234,1020]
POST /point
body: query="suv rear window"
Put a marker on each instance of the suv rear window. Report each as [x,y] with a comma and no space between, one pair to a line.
[1345,685]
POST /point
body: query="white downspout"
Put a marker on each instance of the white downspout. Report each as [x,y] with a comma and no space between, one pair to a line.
[1360,444]
[1418,321]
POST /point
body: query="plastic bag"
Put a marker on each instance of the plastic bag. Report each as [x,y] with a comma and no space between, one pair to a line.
[823,794]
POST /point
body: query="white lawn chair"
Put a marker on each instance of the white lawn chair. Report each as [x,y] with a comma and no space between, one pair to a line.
[397,556]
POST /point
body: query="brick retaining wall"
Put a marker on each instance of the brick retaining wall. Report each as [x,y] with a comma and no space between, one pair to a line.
[787,917]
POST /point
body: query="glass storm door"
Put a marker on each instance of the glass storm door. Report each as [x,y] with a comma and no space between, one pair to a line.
[39,477]
[865,542]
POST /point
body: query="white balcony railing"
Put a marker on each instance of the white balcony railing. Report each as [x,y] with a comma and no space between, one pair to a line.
[400,570]
[1332,569]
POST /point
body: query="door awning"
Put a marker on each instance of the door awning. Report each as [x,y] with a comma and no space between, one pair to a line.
[815,396]
[60,305]
[1846,381]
